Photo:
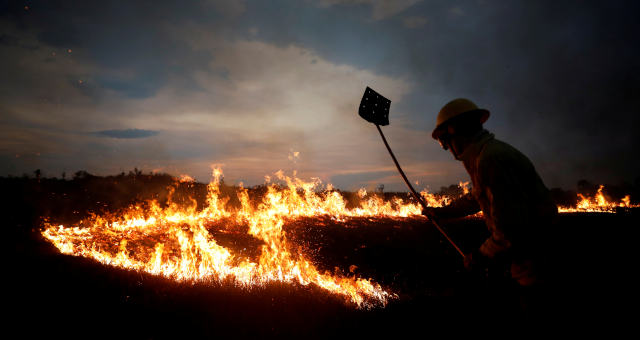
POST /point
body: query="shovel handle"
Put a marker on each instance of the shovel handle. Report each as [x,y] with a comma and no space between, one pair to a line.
[415,194]
[413,191]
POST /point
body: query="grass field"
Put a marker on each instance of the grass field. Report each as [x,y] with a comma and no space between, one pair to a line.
[59,295]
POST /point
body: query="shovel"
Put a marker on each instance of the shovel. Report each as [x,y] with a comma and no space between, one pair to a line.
[374,108]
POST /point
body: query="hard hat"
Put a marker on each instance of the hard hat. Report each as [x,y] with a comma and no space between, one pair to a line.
[456,108]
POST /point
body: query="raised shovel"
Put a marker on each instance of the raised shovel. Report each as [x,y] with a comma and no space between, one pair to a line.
[374,108]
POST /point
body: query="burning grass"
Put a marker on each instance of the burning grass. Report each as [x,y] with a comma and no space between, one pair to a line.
[245,244]
[177,241]
[598,203]
[75,295]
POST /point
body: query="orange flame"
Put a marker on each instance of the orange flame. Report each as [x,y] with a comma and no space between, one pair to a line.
[464,186]
[184,178]
[174,241]
[598,203]
[436,201]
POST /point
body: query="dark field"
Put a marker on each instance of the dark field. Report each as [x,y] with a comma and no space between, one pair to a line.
[591,281]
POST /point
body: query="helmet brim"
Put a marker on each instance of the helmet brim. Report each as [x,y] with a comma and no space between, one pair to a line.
[481,114]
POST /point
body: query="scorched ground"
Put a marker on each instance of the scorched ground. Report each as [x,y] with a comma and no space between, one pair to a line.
[285,263]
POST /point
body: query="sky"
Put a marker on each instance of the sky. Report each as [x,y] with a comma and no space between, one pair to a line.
[260,86]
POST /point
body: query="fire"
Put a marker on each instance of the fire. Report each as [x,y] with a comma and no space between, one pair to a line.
[436,201]
[184,178]
[598,203]
[174,241]
[464,186]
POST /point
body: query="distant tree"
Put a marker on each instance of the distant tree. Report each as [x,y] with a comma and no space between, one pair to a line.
[64,175]
[38,173]
[135,172]
[561,197]
[586,187]
[81,174]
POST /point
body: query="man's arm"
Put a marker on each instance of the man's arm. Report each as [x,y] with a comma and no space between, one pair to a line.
[464,206]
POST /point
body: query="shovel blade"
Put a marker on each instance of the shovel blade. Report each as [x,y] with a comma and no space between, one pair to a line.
[374,108]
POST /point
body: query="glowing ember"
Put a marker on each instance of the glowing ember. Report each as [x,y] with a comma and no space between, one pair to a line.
[598,203]
[174,241]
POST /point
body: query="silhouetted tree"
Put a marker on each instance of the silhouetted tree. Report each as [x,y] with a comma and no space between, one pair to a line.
[81,174]
[586,187]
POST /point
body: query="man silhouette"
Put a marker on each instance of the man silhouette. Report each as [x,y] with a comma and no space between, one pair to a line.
[516,205]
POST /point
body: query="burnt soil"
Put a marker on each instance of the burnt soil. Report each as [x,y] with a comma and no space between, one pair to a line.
[590,283]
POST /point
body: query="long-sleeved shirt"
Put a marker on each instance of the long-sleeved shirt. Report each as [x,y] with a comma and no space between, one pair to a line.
[516,204]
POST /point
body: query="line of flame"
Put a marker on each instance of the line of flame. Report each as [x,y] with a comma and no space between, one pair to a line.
[598,203]
[174,241]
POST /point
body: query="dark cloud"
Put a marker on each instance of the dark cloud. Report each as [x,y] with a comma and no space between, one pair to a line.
[561,78]
[126,133]
[132,42]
